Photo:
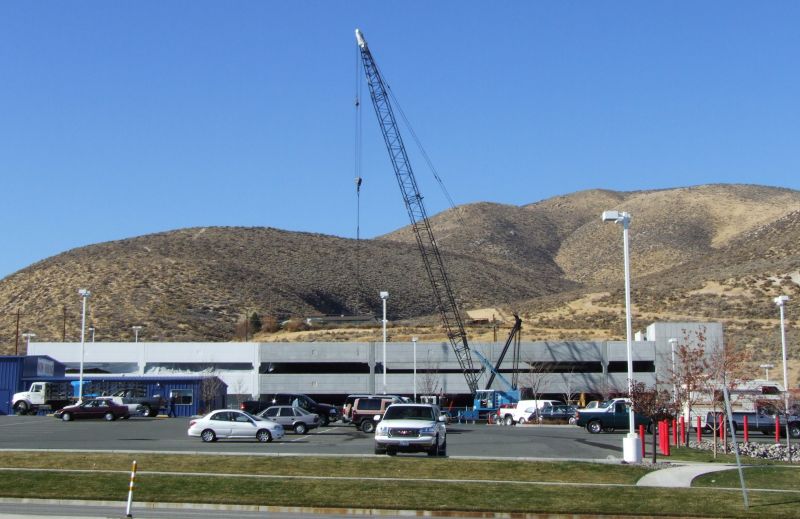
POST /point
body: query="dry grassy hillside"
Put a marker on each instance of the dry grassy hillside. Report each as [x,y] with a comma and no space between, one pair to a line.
[717,252]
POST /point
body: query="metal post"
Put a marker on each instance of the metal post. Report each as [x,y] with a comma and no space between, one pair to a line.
[672,343]
[85,295]
[384,297]
[781,301]
[414,340]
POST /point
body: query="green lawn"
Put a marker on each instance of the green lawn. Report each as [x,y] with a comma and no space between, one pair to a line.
[499,491]
[784,478]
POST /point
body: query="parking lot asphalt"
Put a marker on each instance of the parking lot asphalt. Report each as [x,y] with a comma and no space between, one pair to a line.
[169,435]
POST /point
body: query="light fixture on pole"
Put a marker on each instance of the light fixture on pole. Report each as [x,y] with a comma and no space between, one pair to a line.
[781,302]
[84,295]
[27,336]
[672,343]
[766,368]
[414,340]
[384,297]
[91,332]
[136,333]
[631,449]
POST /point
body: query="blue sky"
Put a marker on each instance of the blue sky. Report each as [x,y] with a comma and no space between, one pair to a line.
[119,119]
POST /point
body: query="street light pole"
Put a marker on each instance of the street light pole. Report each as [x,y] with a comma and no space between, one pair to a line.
[136,333]
[414,340]
[631,450]
[384,297]
[84,295]
[672,343]
[781,302]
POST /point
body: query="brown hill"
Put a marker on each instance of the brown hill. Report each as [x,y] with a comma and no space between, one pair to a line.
[705,252]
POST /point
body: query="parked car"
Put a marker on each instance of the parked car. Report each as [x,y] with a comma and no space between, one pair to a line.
[295,418]
[231,423]
[364,411]
[327,413]
[136,400]
[557,414]
[94,408]
[411,428]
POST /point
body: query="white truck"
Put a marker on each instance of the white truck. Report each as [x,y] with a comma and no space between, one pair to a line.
[522,411]
[43,395]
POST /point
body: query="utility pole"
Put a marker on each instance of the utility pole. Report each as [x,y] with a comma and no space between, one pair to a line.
[16,344]
[64,337]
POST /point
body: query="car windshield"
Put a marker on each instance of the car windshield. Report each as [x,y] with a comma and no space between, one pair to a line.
[257,418]
[401,412]
[301,411]
[603,405]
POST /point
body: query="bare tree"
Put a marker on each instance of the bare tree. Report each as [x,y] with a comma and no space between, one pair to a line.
[429,379]
[209,388]
[535,377]
[569,386]
[653,403]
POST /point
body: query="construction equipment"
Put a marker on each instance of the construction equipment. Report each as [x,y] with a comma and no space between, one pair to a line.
[431,257]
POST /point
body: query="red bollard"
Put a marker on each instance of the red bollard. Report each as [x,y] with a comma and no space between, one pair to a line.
[662,436]
[666,437]
[721,427]
[699,431]
[674,432]
[641,435]
[746,432]
[777,429]
[683,431]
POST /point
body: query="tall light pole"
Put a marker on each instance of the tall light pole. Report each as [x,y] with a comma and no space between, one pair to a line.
[672,343]
[27,336]
[414,340]
[384,297]
[631,450]
[781,302]
[84,295]
[136,333]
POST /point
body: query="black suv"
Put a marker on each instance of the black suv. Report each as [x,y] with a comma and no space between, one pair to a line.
[327,413]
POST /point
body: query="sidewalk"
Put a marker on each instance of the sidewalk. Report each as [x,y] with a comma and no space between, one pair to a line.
[681,476]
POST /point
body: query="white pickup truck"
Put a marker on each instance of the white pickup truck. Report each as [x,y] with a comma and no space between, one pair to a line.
[522,411]
[137,401]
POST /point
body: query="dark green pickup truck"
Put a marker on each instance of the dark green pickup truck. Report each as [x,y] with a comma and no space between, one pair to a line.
[608,416]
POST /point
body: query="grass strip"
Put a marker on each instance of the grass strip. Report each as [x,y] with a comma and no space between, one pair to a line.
[783,478]
[389,467]
[489,497]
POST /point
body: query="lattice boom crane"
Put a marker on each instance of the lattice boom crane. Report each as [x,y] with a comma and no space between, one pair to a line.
[434,266]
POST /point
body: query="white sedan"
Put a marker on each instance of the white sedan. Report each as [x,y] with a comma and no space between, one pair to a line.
[231,423]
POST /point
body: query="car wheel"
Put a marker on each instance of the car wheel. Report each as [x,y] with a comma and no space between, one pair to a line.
[109,417]
[263,436]
[508,421]
[522,421]
[443,449]
[649,428]
[66,417]
[208,436]
[594,426]
[146,411]
[794,430]
[391,452]
[434,451]
[21,408]
[380,450]
[572,420]
[300,428]
[368,426]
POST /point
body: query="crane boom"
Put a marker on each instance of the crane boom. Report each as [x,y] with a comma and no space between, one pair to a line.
[431,257]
